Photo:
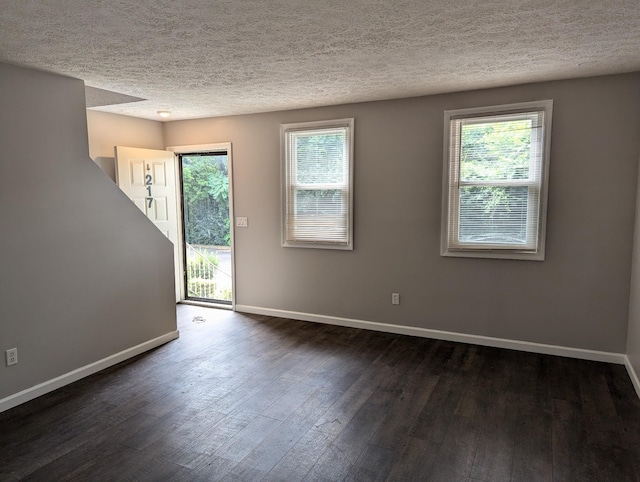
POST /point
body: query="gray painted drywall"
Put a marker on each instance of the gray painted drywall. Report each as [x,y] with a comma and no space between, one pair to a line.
[108,130]
[633,334]
[578,297]
[83,273]
[107,164]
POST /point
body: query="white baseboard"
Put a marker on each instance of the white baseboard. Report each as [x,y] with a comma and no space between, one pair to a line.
[75,375]
[569,352]
[632,374]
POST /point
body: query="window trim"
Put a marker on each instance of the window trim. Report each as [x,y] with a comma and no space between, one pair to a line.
[479,251]
[348,124]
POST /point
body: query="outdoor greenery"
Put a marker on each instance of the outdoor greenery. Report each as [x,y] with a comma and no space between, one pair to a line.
[206,200]
[205,187]
[320,158]
[494,151]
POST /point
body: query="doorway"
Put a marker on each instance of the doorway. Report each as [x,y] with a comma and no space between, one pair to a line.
[206,226]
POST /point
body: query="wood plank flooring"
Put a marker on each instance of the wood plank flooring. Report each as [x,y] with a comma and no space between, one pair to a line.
[248,398]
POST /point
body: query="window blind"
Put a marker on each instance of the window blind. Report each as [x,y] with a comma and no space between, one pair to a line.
[317,186]
[495,181]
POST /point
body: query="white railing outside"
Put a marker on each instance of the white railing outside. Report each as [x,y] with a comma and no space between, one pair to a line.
[208,272]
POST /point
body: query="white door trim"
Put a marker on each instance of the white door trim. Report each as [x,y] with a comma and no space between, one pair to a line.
[222,146]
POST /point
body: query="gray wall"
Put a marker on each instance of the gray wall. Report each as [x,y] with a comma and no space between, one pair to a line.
[633,336]
[107,130]
[578,297]
[83,273]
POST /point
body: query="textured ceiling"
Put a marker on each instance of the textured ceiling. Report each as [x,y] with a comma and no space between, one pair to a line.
[201,58]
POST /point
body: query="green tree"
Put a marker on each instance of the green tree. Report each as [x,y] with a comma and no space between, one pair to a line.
[320,158]
[494,151]
[205,184]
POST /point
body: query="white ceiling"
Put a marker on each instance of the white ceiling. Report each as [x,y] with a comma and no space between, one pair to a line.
[201,58]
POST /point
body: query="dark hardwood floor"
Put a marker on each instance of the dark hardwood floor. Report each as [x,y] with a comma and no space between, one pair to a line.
[242,397]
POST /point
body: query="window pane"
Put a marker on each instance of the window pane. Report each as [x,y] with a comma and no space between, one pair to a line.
[317,169]
[493,215]
[498,150]
[321,158]
[319,202]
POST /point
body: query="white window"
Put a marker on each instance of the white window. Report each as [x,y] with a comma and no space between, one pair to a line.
[495,181]
[317,184]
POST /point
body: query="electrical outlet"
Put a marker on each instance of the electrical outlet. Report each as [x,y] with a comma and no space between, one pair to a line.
[12,356]
[395,298]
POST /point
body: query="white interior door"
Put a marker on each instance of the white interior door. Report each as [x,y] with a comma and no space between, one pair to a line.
[148,177]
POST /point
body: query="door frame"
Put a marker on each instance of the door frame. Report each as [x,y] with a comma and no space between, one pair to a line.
[194,149]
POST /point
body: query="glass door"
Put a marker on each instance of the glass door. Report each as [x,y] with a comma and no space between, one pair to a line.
[206,225]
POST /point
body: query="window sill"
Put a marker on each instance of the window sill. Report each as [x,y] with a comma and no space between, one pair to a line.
[495,254]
